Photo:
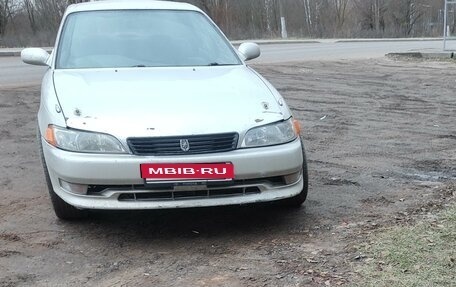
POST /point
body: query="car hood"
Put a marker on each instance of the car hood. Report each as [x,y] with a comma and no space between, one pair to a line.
[165,101]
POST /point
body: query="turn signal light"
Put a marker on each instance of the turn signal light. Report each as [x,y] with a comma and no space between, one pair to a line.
[50,136]
[297,127]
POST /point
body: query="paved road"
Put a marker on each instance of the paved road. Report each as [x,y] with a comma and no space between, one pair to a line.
[342,50]
[15,73]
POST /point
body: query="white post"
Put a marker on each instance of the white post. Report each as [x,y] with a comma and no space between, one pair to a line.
[283,25]
[445,25]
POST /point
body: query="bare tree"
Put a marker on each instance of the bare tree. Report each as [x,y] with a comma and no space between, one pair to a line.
[309,16]
[36,21]
[29,8]
[405,14]
[340,7]
[268,5]
[315,12]
[372,13]
[5,14]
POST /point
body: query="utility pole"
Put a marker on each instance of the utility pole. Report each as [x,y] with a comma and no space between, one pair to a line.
[283,23]
[449,8]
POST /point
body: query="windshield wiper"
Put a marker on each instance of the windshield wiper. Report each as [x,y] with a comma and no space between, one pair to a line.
[138,66]
[218,64]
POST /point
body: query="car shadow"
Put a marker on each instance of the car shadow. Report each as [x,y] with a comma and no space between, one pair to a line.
[213,222]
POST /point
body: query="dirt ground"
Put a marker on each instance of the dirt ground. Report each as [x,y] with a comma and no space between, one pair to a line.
[381,143]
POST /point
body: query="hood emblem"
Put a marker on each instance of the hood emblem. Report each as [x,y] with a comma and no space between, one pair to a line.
[184,145]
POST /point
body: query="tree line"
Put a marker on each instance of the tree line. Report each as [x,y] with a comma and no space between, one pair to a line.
[35,22]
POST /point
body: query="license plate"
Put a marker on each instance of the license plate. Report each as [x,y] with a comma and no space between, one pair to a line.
[187,171]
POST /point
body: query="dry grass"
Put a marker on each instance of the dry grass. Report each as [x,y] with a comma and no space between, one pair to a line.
[423,254]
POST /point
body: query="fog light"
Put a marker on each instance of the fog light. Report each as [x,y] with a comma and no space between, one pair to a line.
[292,178]
[74,187]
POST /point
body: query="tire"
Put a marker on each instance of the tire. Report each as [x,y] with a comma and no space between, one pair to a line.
[297,200]
[62,209]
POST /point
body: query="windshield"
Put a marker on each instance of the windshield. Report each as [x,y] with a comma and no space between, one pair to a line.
[141,38]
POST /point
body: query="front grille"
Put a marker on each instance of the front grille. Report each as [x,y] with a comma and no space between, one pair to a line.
[139,192]
[275,181]
[172,145]
[194,194]
[248,184]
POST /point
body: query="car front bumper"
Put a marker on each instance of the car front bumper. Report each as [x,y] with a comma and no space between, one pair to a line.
[251,166]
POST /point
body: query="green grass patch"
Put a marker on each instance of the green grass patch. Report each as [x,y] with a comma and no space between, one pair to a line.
[423,254]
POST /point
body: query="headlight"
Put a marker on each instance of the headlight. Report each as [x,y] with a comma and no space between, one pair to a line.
[272,134]
[79,141]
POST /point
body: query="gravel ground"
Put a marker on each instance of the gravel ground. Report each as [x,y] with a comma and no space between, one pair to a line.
[380,138]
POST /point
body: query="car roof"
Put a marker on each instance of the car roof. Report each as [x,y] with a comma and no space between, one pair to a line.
[129,5]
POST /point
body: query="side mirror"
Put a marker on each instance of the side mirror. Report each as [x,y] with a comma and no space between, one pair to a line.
[249,51]
[35,56]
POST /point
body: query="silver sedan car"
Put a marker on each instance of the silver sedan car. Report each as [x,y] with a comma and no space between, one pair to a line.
[147,105]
